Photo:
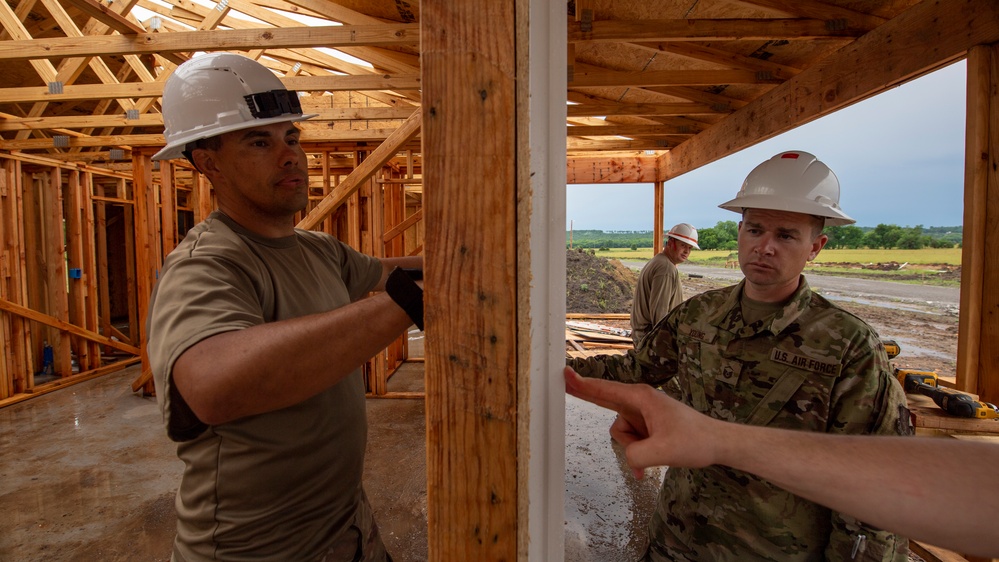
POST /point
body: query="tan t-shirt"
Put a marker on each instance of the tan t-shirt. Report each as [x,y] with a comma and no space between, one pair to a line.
[281,485]
[657,292]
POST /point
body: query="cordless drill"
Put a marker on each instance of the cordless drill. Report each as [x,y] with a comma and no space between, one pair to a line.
[954,402]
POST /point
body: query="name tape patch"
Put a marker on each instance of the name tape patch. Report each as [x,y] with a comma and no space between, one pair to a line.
[803,362]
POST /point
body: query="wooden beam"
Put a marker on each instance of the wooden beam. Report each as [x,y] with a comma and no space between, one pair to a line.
[385,152]
[12,25]
[717,56]
[641,109]
[58,324]
[925,37]
[614,130]
[586,145]
[819,10]
[708,30]
[107,16]
[403,226]
[79,122]
[610,169]
[331,36]
[469,68]
[309,135]
[329,83]
[640,78]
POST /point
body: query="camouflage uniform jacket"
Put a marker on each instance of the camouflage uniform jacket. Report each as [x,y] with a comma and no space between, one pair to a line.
[811,366]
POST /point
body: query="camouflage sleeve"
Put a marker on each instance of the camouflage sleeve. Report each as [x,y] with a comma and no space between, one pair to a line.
[653,362]
[868,400]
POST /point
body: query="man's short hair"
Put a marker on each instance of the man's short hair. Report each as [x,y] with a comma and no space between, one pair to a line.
[818,224]
[210,143]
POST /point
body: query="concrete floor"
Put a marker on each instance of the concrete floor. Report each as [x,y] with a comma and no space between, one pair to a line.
[88,474]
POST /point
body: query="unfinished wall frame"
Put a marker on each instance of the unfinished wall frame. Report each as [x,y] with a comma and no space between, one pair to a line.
[53,310]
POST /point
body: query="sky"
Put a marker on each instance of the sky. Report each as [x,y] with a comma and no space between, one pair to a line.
[899,157]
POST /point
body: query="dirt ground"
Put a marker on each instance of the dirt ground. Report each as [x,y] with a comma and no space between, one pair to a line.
[927,338]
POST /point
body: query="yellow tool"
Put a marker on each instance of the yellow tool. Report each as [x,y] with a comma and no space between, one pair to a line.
[954,402]
[891,348]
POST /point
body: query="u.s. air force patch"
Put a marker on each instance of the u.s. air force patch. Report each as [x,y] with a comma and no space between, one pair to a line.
[806,363]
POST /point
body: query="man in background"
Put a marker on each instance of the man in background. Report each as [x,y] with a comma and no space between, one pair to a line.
[658,289]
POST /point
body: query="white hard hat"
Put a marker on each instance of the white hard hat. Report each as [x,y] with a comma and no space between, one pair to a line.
[793,181]
[220,93]
[684,233]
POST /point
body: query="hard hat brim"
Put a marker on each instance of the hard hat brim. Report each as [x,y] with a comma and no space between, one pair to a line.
[688,241]
[833,216]
[176,149]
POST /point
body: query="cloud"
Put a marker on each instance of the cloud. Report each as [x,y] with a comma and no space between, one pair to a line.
[899,157]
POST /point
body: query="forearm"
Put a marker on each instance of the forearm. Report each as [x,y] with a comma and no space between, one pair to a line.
[274,365]
[936,490]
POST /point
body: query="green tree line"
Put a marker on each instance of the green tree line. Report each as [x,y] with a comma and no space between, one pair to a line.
[724,234]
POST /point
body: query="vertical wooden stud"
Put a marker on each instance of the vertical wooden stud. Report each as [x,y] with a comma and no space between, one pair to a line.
[658,226]
[469,66]
[978,329]
[90,277]
[73,208]
[53,253]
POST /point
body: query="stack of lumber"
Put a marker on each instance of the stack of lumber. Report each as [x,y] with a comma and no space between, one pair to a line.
[589,335]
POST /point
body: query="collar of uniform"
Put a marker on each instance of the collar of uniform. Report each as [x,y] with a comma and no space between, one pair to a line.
[724,318]
[794,307]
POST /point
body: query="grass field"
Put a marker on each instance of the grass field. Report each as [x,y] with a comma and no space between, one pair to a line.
[948,256]
[922,266]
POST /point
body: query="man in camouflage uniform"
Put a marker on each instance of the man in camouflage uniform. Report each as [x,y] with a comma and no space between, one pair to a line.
[770,352]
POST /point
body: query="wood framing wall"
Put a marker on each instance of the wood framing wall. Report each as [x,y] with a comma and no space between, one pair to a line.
[82,247]
[55,274]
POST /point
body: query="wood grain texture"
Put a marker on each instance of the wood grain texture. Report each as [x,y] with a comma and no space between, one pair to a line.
[469,136]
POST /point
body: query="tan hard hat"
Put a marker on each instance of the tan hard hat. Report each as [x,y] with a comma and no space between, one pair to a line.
[794,181]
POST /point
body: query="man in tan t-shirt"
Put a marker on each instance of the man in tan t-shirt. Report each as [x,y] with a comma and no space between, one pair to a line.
[658,289]
[257,333]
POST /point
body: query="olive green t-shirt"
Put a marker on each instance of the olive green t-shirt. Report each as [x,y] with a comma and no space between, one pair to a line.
[281,485]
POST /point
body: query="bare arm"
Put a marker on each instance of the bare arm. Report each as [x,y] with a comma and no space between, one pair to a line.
[271,366]
[941,491]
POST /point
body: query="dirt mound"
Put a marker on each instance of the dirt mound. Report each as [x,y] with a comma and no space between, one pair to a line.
[597,285]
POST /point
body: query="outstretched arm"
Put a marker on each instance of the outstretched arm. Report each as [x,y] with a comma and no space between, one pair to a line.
[941,491]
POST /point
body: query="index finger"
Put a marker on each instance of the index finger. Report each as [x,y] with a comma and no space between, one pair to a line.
[608,394]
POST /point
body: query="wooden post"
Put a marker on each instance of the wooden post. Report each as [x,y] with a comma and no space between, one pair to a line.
[53,255]
[469,68]
[168,208]
[18,363]
[73,210]
[148,251]
[657,221]
[101,228]
[978,330]
[90,277]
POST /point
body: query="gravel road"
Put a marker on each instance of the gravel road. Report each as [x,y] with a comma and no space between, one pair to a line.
[889,294]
